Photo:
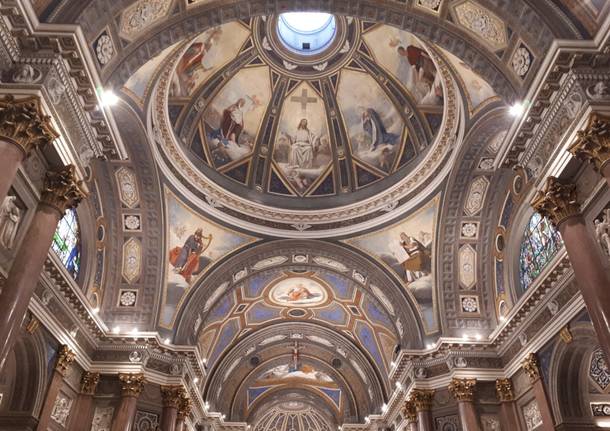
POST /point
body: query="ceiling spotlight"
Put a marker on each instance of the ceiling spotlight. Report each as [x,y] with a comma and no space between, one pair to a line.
[168,341]
[479,337]
[398,385]
[196,380]
[502,319]
[430,346]
[116,329]
[517,109]
[384,407]
[108,98]
[135,331]
[96,310]
[392,364]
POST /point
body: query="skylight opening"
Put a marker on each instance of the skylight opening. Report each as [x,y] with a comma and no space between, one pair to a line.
[306,33]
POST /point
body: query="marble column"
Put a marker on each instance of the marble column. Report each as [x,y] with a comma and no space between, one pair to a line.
[531,367]
[61,191]
[184,411]
[85,403]
[508,409]
[463,392]
[131,388]
[171,396]
[558,202]
[409,412]
[23,127]
[65,357]
[592,144]
[422,398]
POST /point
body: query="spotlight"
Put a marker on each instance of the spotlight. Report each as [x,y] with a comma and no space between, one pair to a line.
[96,310]
[108,98]
[478,337]
[116,329]
[517,109]
[168,341]
[196,380]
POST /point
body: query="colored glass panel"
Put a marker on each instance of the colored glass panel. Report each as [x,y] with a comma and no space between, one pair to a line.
[541,241]
[66,242]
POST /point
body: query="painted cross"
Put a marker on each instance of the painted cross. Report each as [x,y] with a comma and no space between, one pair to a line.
[304,99]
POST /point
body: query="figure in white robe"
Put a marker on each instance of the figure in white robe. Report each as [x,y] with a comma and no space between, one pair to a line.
[10,214]
[303,147]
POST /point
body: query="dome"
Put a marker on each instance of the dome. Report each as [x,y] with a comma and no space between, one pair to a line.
[259,120]
[292,416]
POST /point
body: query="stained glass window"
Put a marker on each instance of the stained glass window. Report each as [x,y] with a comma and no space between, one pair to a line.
[66,242]
[541,241]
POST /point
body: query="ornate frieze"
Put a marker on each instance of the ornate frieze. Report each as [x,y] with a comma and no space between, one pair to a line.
[62,190]
[593,143]
[462,389]
[88,382]
[142,15]
[504,390]
[487,26]
[556,201]
[65,357]
[598,370]
[531,367]
[23,123]
[131,384]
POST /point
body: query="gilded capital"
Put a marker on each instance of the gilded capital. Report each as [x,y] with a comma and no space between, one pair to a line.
[531,366]
[62,190]
[184,408]
[88,382]
[504,390]
[172,395]
[131,384]
[462,389]
[409,412]
[422,398]
[556,201]
[593,143]
[23,123]
[65,357]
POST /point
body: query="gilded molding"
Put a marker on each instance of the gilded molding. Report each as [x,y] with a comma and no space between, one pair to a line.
[131,384]
[593,143]
[409,411]
[172,396]
[531,366]
[422,398]
[62,190]
[462,389]
[23,123]
[556,201]
[65,357]
[504,390]
[88,382]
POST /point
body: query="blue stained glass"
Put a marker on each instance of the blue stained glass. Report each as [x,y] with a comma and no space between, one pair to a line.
[541,241]
[66,242]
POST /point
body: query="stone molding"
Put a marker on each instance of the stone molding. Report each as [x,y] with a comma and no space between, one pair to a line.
[556,201]
[23,123]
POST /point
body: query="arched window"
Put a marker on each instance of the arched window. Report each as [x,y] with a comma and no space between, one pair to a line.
[66,242]
[541,241]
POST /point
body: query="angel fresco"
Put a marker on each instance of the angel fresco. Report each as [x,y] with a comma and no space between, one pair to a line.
[186,259]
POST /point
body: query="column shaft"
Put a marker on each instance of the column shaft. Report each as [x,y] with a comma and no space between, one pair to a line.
[590,275]
[179,424]
[424,420]
[11,157]
[412,426]
[125,414]
[169,415]
[543,405]
[85,403]
[509,416]
[468,416]
[45,415]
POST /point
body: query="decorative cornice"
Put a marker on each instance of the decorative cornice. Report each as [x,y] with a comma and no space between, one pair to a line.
[65,357]
[88,382]
[62,190]
[422,398]
[409,411]
[556,201]
[462,389]
[172,395]
[23,123]
[593,143]
[504,390]
[131,384]
[531,366]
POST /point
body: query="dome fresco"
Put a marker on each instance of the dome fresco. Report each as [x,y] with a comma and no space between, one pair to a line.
[275,124]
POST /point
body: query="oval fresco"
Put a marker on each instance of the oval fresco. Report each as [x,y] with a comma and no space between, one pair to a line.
[298,291]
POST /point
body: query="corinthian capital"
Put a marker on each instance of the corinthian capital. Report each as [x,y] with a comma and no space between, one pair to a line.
[422,398]
[184,408]
[593,143]
[462,389]
[62,190]
[88,382]
[172,395]
[131,384]
[504,390]
[23,123]
[409,412]
[531,367]
[65,357]
[556,201]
